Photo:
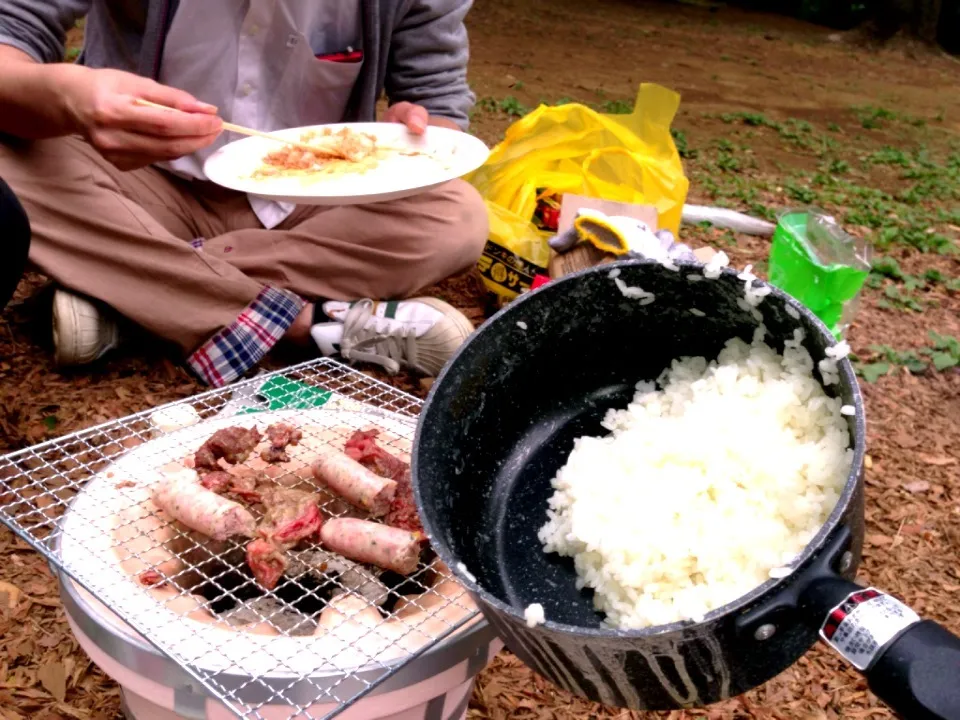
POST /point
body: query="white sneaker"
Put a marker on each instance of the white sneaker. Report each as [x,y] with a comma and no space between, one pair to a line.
[421,334]
[81,332]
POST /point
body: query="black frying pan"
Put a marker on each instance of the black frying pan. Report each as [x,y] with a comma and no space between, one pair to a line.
[501,420]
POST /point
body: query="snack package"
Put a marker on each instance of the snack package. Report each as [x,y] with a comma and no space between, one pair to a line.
[556,150]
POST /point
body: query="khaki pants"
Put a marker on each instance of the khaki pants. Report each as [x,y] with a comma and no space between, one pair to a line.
[126,238]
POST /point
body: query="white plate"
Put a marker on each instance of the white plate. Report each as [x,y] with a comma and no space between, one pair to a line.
[450,154]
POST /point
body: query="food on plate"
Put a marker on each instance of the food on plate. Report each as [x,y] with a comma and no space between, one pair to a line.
[233,444]
[185,499]
[354,483]
[713,480]
[343,151]
[280,435]
[332,153]
[289,515]
[267,562]
[363,541]
[362,446]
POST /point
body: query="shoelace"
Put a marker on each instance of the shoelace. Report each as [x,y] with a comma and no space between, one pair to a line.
[366,340]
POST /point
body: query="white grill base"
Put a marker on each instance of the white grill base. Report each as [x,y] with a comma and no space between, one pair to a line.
[442,697]
[137,708]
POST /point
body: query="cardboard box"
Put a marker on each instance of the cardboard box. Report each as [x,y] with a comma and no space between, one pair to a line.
[585,256]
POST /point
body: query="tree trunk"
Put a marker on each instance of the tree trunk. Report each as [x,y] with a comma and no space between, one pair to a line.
[949,31]
[920,18]
[927,15]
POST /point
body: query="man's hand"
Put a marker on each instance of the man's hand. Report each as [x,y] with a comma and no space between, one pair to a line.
[416,118]
[102,106]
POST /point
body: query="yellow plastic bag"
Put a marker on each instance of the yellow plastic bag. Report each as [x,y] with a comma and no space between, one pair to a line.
[573,149]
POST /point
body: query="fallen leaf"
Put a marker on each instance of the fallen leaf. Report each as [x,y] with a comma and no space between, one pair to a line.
[9,595]
[906,441]
[917,486]
[53,677]
[937,460]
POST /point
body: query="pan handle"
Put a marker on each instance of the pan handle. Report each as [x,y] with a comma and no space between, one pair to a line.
[912,664]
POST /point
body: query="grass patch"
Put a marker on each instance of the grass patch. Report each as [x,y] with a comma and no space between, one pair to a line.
[943,353]
[683,145]
[897,299]
[508,106]
[616,107]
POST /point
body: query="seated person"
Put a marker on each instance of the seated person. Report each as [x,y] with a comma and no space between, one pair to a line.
[125,222]
[15,241]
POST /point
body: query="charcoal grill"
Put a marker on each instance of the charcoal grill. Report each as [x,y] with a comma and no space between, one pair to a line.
[210,644]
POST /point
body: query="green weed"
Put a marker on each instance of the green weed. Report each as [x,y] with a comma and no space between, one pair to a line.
[942,354]
[683,146]
[511,106]
[617,107]
[897,299]
[871,118]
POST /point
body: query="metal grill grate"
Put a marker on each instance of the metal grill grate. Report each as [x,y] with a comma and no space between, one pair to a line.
[83,501]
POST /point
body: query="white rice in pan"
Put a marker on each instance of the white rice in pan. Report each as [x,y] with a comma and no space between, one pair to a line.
[710,482]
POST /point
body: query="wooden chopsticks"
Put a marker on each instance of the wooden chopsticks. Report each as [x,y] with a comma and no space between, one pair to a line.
[241,130]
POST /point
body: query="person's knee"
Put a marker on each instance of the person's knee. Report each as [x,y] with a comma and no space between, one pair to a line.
[28,165]
[464,226]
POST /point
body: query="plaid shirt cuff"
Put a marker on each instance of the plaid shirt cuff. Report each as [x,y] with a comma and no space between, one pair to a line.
[237,348]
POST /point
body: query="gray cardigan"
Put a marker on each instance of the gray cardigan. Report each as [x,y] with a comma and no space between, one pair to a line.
[415,50]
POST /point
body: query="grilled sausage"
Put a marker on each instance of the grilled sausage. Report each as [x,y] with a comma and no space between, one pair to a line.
[183,498]
[363,541]
[354,483]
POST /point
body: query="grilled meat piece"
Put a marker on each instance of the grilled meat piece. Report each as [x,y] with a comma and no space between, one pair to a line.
[224,483]
[280,436]
[233,444]
[289,515]
[267,562]
[362,447]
